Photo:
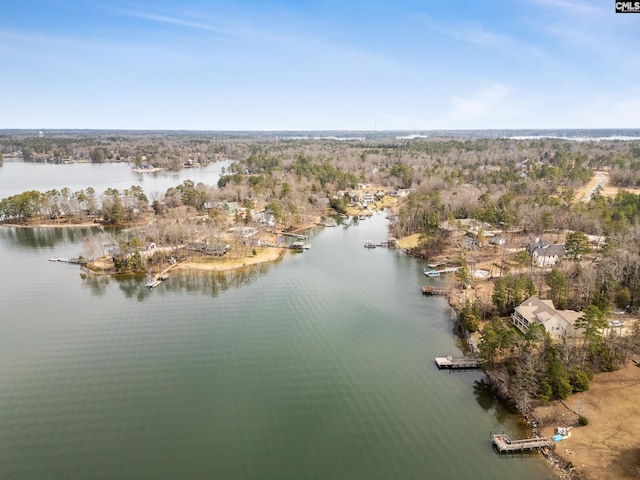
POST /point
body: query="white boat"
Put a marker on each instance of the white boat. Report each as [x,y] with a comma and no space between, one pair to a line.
[432,273]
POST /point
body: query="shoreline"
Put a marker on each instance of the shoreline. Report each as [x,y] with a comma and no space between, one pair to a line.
[52,225]
[272,255]
[263,257]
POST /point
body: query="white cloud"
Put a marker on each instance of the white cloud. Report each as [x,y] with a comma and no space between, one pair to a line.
[488,102]
[608,111]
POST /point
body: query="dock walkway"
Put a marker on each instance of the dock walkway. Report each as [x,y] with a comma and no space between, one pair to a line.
[158,278]
[297,236]
[451,363]
[374,244]
[504,444]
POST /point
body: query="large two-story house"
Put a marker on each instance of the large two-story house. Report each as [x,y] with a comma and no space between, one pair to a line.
[545,254]
[558,323]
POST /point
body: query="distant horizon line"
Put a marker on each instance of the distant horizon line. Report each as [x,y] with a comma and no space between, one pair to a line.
[404,130]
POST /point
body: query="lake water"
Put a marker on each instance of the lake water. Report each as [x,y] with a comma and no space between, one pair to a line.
[17,176]
[317,367]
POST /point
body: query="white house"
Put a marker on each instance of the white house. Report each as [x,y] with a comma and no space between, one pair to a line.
[548,256]
[470,243]
[264,218]
[367,198]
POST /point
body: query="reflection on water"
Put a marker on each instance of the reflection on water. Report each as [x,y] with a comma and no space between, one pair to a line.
[212,282]
[98,284]
[483,394]
[132,286]
[486,399]
[191,281]
[45,237]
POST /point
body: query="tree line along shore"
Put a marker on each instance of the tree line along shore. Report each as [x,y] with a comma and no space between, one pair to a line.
[518,219]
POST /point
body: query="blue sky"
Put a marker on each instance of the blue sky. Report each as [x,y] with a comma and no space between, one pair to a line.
[318,65]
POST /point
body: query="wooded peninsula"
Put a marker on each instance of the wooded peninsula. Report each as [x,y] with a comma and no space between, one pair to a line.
[543,233]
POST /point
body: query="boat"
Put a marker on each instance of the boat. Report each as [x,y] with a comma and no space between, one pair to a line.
[369,245]
[432,273]
[155,281]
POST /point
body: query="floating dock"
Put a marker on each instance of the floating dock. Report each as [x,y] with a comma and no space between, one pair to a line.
[374,244]
[450,363]
[503,444]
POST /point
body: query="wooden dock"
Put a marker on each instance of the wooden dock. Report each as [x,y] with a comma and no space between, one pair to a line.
[158,278]
[503,444]
[297,236]
[73,261]
[300,246]
[374,244]
[429,290]
[450,363]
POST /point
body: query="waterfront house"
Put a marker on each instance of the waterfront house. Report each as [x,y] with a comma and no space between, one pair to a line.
[264,218]
[366,198]
[243,232]
[557,323]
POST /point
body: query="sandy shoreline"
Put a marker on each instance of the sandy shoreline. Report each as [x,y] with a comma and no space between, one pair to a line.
[266,256]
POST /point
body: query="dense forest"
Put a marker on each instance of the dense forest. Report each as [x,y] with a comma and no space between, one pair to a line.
[522,188]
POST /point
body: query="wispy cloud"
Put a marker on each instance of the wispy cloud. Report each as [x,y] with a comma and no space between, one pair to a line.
[587,29]
[568,6]
[172,20]
[280,35]
[494,103]
[488,100]
[476,34]
[612,111]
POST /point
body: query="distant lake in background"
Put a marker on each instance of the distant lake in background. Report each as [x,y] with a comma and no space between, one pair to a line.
[17,176]
[320,366]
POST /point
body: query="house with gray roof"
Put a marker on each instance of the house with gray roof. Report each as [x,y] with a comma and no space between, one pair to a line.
[545,254]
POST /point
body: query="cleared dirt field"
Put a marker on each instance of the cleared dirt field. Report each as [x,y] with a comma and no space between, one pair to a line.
[609,446]
[602,179]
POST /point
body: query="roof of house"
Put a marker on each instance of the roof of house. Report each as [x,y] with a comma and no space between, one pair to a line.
[549,251]
[535,308]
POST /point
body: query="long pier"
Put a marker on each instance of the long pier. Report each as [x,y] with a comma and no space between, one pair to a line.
[448,270]
[73,261]
[450,363]
[297,236]
[503,444]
